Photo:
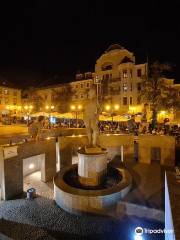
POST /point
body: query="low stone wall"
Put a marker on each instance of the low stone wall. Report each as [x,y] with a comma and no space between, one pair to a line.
[166,144]
[75,200]
[116,144]
[56,132]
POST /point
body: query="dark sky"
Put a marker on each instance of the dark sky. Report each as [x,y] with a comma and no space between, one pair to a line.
[42,39]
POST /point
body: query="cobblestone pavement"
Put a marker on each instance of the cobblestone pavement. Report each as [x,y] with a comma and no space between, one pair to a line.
[42,189]
[41,218]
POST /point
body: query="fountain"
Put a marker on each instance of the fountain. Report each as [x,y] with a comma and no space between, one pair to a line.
[91,185]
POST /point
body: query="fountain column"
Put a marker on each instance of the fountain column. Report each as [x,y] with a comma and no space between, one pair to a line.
[92,166]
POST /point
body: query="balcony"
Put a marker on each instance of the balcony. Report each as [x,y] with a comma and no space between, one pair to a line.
[114,80]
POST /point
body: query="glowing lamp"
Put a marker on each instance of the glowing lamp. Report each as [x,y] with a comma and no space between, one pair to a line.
[31,166]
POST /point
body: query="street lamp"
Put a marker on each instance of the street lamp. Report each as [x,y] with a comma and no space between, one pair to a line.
[112,109]
[97,82]
[76,109]
[28,109]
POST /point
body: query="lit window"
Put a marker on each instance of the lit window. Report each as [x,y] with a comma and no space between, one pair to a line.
[139,72]
[6,92]
[125,88]
[125,74]
[124,100]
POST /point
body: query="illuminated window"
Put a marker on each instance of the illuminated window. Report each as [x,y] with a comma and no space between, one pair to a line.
[125,88]
[139,72]
[125,74]
[6,92]
[124,100]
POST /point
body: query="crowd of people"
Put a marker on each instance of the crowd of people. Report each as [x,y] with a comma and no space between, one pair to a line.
[130,126]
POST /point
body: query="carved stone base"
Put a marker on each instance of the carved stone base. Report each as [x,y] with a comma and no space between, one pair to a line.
[92,167]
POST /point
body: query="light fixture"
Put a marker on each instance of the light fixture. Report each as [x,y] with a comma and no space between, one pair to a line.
[116,107]
[79,107]
[47,107]
[52,107]
[73,107]
[31,166]
[107,107]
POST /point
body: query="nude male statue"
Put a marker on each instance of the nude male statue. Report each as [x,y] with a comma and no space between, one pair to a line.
[91,116]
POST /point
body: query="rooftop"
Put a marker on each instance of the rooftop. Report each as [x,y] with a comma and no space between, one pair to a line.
[114,47]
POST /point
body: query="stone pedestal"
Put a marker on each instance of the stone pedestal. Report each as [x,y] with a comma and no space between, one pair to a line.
[92,167]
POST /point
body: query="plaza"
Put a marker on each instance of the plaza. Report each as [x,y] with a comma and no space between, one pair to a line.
[143,204]
[89,120]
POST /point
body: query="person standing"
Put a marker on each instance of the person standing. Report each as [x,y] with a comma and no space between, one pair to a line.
[35,128]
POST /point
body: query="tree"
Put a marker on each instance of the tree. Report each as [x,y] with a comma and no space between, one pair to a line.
[33,98]
[62,98]
[158,91]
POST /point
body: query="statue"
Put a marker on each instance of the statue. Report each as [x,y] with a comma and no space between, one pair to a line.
[91,117]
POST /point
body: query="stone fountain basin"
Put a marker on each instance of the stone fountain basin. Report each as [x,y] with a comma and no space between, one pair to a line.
[77,200]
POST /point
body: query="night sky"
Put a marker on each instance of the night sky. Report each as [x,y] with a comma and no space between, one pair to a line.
[43,42]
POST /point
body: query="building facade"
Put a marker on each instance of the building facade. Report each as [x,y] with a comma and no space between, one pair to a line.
[10,99]
[119,79]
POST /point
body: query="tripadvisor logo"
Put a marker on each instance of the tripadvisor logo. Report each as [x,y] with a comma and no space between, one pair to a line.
[138,231]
